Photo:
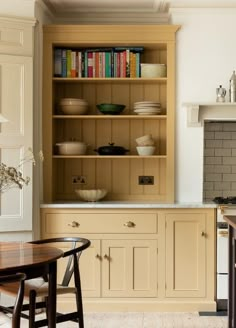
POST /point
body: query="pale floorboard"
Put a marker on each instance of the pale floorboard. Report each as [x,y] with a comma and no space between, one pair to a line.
[140,320]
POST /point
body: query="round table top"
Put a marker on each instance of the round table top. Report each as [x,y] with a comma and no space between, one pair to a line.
[17,255]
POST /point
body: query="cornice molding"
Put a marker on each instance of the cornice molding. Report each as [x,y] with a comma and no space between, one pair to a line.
[114,18]
[18,20]
[45,9]
[206,10]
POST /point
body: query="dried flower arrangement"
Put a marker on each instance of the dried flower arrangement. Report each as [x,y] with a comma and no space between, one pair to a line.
[11,177]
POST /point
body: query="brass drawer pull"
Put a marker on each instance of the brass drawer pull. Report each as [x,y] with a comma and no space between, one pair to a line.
[74,224]
[223,233]
[129,224]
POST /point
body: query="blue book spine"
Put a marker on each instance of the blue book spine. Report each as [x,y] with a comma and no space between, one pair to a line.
[57,62]
[64,63]
[138,71]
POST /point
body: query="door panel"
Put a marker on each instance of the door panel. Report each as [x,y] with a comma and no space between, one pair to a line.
[185,255]
[129,268]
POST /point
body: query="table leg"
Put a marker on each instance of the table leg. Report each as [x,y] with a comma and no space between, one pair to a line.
[52,294]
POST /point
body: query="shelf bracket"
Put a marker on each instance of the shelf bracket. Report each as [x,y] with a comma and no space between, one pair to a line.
[193,115]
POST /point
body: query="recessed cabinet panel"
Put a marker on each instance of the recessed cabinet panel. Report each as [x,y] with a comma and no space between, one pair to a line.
[185,250]
[118,176]
[129,268]
[90,270]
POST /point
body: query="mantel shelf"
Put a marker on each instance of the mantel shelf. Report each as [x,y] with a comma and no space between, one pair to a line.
[198,112]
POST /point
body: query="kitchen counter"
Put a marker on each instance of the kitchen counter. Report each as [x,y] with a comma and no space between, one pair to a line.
[126,204]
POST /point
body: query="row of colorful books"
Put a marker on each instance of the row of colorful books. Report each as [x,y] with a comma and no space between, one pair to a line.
[98,62]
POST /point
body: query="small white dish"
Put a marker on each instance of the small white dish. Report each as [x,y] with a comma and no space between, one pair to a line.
[145,150]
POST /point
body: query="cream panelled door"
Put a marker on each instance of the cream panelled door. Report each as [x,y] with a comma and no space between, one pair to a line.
[16,136]
[129,268]
[185,255]
[90,270]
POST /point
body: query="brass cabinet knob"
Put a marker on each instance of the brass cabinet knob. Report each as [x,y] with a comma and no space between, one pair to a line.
[106,257]
[98,257]
[223,208]
[203,234]
[74,224]
[129,224]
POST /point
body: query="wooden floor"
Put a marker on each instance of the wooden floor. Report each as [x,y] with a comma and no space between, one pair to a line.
[141,320]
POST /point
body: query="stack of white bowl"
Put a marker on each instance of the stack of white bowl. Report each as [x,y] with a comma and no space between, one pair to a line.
[147,108]
[145,145]
[73,106]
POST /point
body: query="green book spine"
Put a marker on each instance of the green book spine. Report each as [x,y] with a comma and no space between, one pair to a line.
[68,62]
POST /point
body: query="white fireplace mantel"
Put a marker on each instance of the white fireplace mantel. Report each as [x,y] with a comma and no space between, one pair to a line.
[198,112]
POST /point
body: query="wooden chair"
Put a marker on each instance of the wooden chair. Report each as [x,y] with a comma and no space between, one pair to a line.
[38,287]
[18,278]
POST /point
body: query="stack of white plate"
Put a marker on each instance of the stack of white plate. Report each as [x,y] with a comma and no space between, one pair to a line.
[147,108]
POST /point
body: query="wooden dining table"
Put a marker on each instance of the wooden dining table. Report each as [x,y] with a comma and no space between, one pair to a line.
[35,261]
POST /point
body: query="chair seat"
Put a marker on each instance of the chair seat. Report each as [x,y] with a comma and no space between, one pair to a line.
[36,290]
[37,284]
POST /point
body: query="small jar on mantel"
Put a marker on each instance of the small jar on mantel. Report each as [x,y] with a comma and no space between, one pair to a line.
[232,88]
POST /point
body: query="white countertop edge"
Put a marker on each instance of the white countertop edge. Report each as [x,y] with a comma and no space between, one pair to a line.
[126,204]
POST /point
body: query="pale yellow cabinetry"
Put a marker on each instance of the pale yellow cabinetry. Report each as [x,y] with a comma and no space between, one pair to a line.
[129,268]
[190,253]
[152,260]
[118,174]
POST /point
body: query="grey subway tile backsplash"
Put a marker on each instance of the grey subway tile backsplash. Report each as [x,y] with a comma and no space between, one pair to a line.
[219,160]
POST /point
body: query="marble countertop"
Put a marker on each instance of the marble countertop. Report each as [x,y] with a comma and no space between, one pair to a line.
[126,204]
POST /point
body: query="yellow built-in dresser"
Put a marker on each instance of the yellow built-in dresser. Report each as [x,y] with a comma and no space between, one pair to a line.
[155,259]
[142,258]
[118,174]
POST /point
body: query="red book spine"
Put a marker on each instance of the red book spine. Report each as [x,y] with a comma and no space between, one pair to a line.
[90,64]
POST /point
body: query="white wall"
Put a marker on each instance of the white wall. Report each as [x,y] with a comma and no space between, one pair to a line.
[22,8]
[206,57]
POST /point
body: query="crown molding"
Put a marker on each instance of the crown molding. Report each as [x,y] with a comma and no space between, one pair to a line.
[201,10]
[18,20]
[114,18]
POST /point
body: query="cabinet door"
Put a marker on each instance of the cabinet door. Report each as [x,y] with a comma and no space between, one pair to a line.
[90,269]
[16,136]
[185,255]
[129,268]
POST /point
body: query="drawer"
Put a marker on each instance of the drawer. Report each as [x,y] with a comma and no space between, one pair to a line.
[101,223]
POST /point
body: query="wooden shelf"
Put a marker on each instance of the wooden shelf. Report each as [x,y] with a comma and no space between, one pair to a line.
[111,117]
[109,157]
[161,80]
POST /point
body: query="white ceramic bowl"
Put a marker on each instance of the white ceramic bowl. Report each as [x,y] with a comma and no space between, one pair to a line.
[73,106]
[145,140]
[71,148]
[146,150]
[153,70]
[91,195]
